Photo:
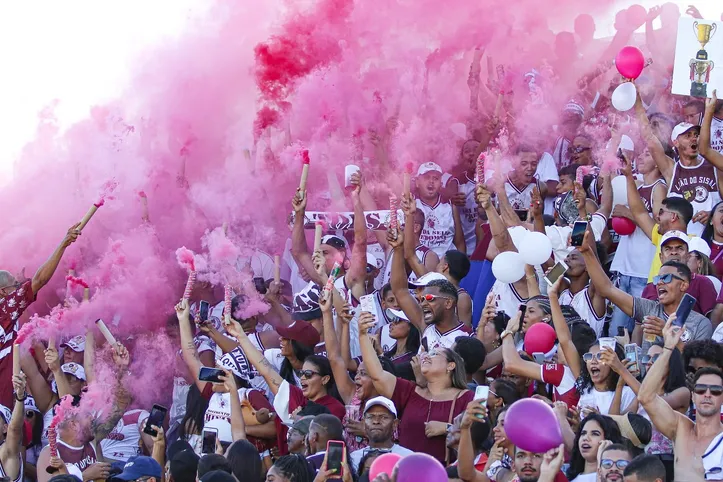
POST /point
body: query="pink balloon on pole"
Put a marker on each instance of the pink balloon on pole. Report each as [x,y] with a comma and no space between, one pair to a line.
[383,464]
[420,467]
[531,412]
[630,62]
[540,337]
[623,226]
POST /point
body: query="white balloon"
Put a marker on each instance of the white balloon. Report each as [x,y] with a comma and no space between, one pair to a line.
[518,234]
[459,129]
[508,267]
[620,190]
[624,95]
[536,249]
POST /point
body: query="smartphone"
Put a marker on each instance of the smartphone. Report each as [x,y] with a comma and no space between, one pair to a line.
[539,357]
[620,154]
[631,353]
[425,344]
[558,270]
[260,285]
[208,374]
[209,440]
[335,458]
[578,233]
[522,310]
[481,392]
[157,416]
[621,331]
[522,214]
[203,309]
[367,304]
[684,309]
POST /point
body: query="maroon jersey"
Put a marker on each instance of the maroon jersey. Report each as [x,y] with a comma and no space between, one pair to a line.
[11,307]
[646,194]
[81,457]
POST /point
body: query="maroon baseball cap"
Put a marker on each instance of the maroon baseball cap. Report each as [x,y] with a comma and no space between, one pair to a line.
[300,331]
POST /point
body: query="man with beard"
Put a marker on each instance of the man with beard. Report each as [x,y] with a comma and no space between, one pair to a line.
[688,175]
[613,458]
[530,171]
[435,315]
[699,444]
[380,422]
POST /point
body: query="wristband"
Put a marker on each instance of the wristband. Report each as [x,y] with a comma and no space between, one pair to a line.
[666,348]
[25,396]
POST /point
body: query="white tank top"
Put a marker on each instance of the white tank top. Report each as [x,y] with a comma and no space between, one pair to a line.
[122,442]
[509,299]
[468,212]
[255,378]
[421,251]
[716,134]
[519,199]
[436,339]
[20,474]
[438,232]
[582,303]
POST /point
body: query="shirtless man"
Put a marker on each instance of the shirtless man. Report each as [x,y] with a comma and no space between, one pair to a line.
[692,440]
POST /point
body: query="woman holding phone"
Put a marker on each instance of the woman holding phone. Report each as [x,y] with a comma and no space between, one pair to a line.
[425,411]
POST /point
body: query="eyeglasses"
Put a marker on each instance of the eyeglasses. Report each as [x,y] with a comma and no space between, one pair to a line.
[308,374]
[431,297]
[370,417]
[578,149]
[589,356]
[666,278]
[649,359]
[608,464]
[701,388]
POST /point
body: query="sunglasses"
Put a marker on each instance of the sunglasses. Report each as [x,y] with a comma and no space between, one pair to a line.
[701,388]
[578,150]
[649,359]
[666,278]
[308,374]
[431,297]
[589,356]
[608,464]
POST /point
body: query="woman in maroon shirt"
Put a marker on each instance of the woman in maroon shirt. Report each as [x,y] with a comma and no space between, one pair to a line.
[424,412]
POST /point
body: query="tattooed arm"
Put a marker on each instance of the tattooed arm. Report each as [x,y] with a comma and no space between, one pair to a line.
[121,396]
[188,347]
[255,357]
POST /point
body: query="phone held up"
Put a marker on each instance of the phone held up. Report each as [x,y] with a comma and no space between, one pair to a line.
[335,458]
[578,233]
[158,414]
[208,445]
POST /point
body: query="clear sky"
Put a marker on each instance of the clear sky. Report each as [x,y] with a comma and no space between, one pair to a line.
[79,53]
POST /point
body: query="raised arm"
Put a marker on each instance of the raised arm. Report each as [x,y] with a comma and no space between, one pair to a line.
[409,207]
[602,283]
[46,271]
[513,362]
[501,236]
[459,241]
[384,382]
[640,215]
[711,155]
[51,358]
[43,395]
[344,383]
[121,398]
[665,163]
[89,357]
[400,286]
[476,412]
[238,427]
[188,347]
[299,249]
[562,330]
[10,450]
[255,357]
[661,414]
[356,276]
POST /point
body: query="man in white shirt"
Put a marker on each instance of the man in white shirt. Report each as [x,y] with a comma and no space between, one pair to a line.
[380,421]
[442,225]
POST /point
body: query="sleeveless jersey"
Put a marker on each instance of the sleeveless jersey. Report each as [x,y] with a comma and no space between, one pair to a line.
[468,212]
[716,134]
[243,365]
[79,457]
[561,154]
[435,339]
[122,442]
[340,285]
[438,232]
[509,299]
[697,184]
[583,305]
[462,290]
[421,251]
[20,473]
[646,193]
[519,199]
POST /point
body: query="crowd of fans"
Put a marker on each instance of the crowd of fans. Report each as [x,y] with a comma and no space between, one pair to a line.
[378,340]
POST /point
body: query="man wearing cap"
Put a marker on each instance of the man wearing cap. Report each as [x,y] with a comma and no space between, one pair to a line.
[297,433]
[74,350]
[688,175]
[674,247]
[141,467]
[442,224]
[69,378]
[672,283]
[380,421]
[11,433]
[183,465]
[15,297]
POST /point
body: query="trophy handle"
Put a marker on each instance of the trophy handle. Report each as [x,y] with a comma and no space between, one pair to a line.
[713,28]
[695,28]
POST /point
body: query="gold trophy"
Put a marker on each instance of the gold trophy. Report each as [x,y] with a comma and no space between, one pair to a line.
[700,66]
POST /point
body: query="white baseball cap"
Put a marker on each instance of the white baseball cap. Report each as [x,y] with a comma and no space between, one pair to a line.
[397,313]
[223,428]
[6,414]
[373,260]
[428,167]
[381,401]
[626,143]
[77,343]
[698,244]
[682,128]
[424,280]
[674,234]
[74,369]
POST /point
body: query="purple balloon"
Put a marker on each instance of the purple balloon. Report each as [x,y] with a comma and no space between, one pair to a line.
[420,467]
[525,414]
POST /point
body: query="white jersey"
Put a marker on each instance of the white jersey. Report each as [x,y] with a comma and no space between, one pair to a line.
[421,251]
[378,252]
[509,299]
[181,386]
[438,232]
[468,212]
[243,365]
[716,134]
[123,441]
[582,303]
[340,285]
[274,356]
[20,473]
[435,339]
[698,185]
[219,408]
[520,198]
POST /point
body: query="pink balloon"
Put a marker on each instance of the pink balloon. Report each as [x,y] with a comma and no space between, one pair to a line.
[630,62]
[420,467]
[383,464]
[531,412]
[623,226]
[540,337]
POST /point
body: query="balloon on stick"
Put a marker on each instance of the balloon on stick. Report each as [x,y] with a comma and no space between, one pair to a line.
[624,95]
[508,267]
[531,412]
[630,62]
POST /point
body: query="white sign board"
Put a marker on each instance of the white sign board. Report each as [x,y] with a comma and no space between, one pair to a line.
[698,68]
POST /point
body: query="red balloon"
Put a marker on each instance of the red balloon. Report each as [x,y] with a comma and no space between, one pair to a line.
[383,464]
[540,337]
[623,226]
[630,62]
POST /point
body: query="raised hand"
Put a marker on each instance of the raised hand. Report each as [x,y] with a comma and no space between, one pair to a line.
[19,384]
[536,206]
[121,357]
[397,242]
[72,235]
[483,196]
[514,324]
[408,204]
[183,310]
[51,359]
[693,12]
[367,321]
[672,333]
[476,412]
[299,201]
[325,301]
[234,329]
[712,103]
[229,381]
